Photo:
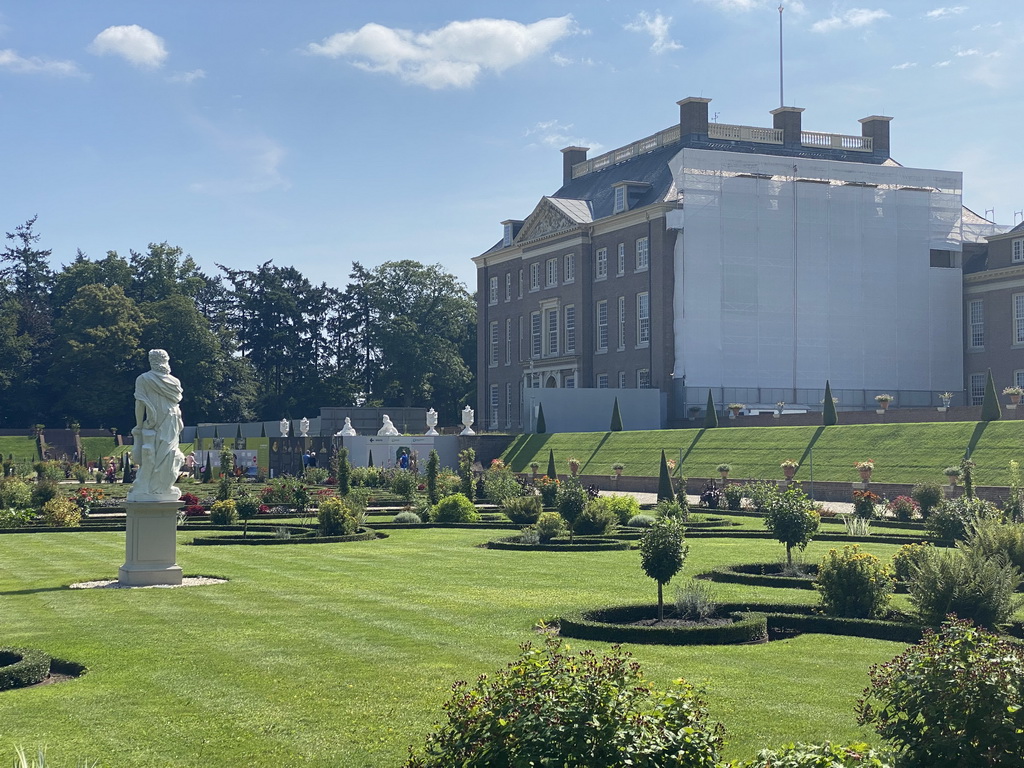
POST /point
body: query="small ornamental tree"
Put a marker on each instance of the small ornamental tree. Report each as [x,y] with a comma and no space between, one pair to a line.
[616,425]
[369,460]
[662,554]
[227,462]
[542,426]
[552,472]
[344,472]
[791,518]
[710,414]
[467,486]
[433,469]
[990,410]
[208,469]
[665,492]
[247,506]
[829,417]
[572,501]
[954,699]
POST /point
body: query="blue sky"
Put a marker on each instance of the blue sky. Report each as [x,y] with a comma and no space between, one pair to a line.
[316,133]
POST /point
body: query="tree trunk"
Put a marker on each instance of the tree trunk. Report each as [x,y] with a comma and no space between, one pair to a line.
[661,605]
[789,556]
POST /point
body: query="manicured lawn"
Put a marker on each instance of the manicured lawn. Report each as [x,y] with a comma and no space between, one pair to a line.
[22,448]
[341,654]
[903,453]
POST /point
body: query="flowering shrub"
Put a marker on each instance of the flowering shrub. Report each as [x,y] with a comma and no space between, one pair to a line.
[789,464]
[455,509]
[864,504]
[86,498]
[223,512]
[907,557]
[62,513]
[335,518]
[548,488]
[884,398]
[854,584]
[550,525]
[189,499]
[862,466]
[903,508]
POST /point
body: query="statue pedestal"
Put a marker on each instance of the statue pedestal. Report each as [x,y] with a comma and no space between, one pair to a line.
[150,543]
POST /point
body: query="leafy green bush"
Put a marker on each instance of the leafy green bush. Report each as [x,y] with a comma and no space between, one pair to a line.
[761,494]
[954,699]
[402,483]
[22,666]
[791,518]
[552,708]
[733,496]
[903,508]
[928,496]
[695,600]
[597,519]
[572,502]
[548,489]
[225,488]
[15,493]
[43,491]
[671,509]
[825,755]
[247,506]
[907,557]
[954,518]
[500,484]
[407,518]
[62,513]
[624,507]
[966,583]
[662,554]
[550,525]
[81,474]
[343,468]
[48,470]
[15,518]
[523,510]
[223,512]
[854,584]
[315,475]
[456,508]
[992,537]
[640,521]
[467,484]
[335,518]
[286,492]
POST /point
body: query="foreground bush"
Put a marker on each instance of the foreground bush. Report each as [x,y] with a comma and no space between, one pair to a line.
[15,493]
[500,484]
[456,508]
[928,496]
[907,557]
[955,518]
[336,518]
[624,507]
[523,510]
[995,538]
[597,519]
[549,708]
[790,517]
[854,584]
[62,513]
[549,526]
[223,513]
[820,756]
[955,699]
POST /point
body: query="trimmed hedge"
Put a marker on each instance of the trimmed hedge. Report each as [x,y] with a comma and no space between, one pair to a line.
[259,539]
[593,544]
[613,625]
[20,667]
[754,574]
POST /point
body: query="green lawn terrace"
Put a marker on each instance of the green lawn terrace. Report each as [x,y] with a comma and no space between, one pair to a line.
[903,453]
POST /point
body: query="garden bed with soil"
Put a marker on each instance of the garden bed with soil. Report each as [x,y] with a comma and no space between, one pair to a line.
[580,544]
[639,624]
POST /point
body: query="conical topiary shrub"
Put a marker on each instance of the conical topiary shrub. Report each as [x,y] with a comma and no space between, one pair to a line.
[552,472]
[542,426]
[829,417]
[665,492]
[710,414]
[369,461]
[616,417]
[990,410]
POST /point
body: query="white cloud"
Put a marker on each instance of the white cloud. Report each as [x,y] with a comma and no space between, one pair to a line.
[11,61]
[906,65]
[728,6]
[453,56]
[187,77]
[855,17]
[247,162]
[551,133]
[133,43]
[969,52]
[945,63]
[560,60]
[657,27]
[939,13]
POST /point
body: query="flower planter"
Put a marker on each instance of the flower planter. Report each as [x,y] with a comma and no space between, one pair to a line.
[865,475]
[789,472]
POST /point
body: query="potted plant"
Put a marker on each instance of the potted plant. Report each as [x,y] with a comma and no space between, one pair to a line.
[779,407]
[617,468]
[946,398]
[953,474]
[789,467]
[724,470]
[534,466]
[735,408]
[1014,393]
[883,400]
[574,466]
[865,468]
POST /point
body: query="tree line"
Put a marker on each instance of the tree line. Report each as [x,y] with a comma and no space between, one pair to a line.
[248,344]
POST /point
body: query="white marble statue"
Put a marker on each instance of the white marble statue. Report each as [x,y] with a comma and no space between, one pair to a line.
[304,427]
[431,422]
[467,421]
[284,427]
[157,431]
[348,430]
[387,429]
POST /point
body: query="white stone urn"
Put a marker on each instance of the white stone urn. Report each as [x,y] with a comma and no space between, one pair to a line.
[467,421]
[431,422]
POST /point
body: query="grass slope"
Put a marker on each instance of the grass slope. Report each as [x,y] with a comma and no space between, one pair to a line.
[23,448]
[903,453]
[342,654]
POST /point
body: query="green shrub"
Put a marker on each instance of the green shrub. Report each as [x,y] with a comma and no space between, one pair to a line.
[48,470]
[467,483]
[247,506]
[825,755]
[551,708]
[315,475]
[456,508]
[225,488]
[640,521]
[865,504]
[15,518]
[402,483]
[662,554]
[671,509]
[624,507]
[550,525]
[954,518]
[994,538]
[695,600]
[62,513]
[81,474]
[762,494]
[548,489]
[433,471]
[344,471]
[907,557]
[954,699]
[500,484]
[22,666]
[15,493]
[572,502]
[928,496]
[903,508]
[286,492]
[733,496]
[597,520]
[43,491]
[335,518]
[966,583]
[523,510]
[223,512]
[854,584]
[407,518]
[448,483]
[665,490]
[791,518]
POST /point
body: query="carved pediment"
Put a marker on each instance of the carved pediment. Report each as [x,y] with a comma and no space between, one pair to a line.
[552,216]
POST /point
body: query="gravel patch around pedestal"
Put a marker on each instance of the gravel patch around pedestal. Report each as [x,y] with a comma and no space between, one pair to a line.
[187,581]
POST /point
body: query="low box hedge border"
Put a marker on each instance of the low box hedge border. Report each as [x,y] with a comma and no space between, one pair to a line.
[261,539]
[595,544]
[612,624]
[732,574]
[20,667]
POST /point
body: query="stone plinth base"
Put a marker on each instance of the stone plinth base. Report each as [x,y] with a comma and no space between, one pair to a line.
[150,544]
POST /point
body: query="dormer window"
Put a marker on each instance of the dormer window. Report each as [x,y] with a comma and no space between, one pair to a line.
[1018,250]
[506,240]
[620,199]
[627,193]
[510,229]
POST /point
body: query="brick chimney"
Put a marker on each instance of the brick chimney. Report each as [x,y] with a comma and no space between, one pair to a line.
[693,117]
[876,127]
[570,157]
[788,119]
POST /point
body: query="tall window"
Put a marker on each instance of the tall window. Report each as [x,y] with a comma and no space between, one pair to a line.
[506,237]
[508,286]
[620,262]
[494,343]
[535,334]
[552,273]
[508,405]
[1018,249]
[494,406]
[570,267]
[552,331]
[1018,379]
[521,358]
[642,253]
[622,322]
[622,379]
[977,392]
[492,292]
[620,200]
[976,313]
[570,328]
[643,378]
[601,264]
[602,381]
[508,341]
[602,325]
[643,318]
[570,381]
[520,283]
[1018,318]
[535,276]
